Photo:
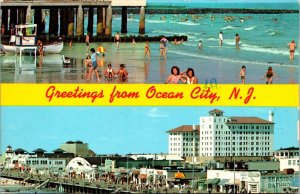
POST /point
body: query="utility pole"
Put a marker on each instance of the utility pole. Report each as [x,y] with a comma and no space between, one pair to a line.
[127,173]
[233,174]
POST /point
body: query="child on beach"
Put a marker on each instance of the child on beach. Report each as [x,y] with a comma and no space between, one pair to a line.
[122,73]
[94,65]
[117,39]
[88,64]
[109,73]
[175,76]
[243,73]
[147,50]
[269,76]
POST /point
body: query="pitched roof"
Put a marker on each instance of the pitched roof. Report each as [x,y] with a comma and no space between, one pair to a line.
[247,120]
[20,150]
[39,150]
[215,111]
[58,150]
[289,148]
[184,128]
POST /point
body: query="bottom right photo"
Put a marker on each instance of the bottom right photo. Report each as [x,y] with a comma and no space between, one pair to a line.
[149,149]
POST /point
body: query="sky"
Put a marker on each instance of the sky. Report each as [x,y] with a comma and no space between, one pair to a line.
[121,130]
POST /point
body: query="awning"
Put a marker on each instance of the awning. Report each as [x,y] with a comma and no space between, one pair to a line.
[212,181]
[223,182]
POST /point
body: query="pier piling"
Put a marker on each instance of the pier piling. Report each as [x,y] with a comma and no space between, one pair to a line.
[90,21]
[70,21]
[142,21]
[53,24]
[79,21]
[108,26]
[124,20]
[99,21]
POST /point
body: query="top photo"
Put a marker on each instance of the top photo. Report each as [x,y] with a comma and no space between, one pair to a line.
[149,41]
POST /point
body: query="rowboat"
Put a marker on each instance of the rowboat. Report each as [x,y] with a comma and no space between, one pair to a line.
[54,48]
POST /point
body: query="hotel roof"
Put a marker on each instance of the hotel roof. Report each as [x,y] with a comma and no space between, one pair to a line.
[184,128]
[247,120]
[215,111]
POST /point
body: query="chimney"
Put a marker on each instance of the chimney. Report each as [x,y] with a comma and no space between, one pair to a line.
[271,116]
[194,127]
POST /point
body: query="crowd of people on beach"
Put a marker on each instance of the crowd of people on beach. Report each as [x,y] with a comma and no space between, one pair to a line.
[186,77]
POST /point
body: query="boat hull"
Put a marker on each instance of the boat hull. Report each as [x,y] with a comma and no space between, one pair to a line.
[54,48]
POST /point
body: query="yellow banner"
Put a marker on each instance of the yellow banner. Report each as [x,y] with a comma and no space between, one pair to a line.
[148,95]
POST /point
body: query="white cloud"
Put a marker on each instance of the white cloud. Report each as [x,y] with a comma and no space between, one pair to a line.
[155,113]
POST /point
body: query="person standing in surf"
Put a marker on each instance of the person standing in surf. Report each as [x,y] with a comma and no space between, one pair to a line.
[292,46]
[117,39]
[237,40]
[221,38]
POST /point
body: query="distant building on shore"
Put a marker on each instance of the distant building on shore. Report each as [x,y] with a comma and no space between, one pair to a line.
[184,141]
[289,152]
[76,147]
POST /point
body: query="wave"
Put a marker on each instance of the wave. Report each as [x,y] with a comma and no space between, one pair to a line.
[188,23]
[250,28]
[156,21]
[228,27]
[213,39]
[255,48]
[231,60]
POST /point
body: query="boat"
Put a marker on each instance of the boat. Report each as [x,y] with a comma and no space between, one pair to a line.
[25,39]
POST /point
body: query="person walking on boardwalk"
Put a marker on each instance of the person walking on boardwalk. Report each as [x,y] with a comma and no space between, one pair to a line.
[269,75]
[117,39]
[94,65]
[243,74]
[147,50]
[292,46]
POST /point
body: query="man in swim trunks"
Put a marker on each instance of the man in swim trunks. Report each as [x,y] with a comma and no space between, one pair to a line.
[117,39]
[292,46]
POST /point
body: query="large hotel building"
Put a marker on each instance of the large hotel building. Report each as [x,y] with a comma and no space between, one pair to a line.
[221,136]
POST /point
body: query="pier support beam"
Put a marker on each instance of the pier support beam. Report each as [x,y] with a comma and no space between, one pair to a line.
[13,18]
[63,21]
[142,21]
[90,21]
[21,15]
[38,20]
[4,18]
[79,25]
[124,20]
[53,24]
[108,26]
[70,21]
[29,14]
[99,21]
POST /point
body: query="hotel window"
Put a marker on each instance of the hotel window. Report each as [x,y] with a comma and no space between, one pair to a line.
[221,126]
[229,127]
[241,127]
[210,126]
[252,127]
[289,162]
[294,162]
[257,127]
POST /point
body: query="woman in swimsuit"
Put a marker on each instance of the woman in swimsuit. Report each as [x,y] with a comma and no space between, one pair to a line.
[162,51]
[175,76]
[190,76]
[269,76]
